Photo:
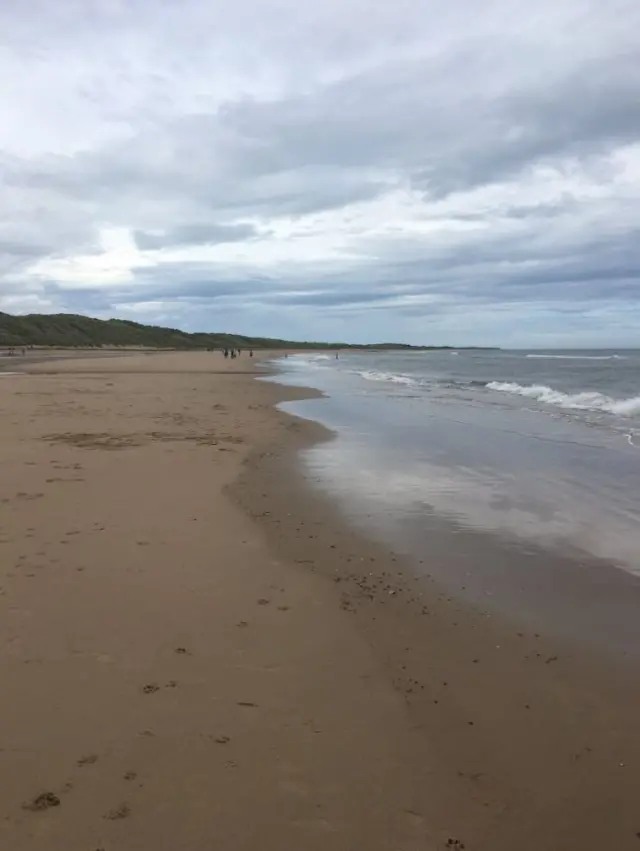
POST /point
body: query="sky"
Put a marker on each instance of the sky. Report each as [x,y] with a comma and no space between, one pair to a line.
[458,172]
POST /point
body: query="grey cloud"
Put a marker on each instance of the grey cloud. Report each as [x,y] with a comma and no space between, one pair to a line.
[195,234]
[20,249]
[78,300]
[425,121]
[432,121]
[468,106]
[429,286]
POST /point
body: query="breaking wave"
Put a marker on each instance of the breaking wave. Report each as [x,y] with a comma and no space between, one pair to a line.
[586,401]
[395,378]
[577,357]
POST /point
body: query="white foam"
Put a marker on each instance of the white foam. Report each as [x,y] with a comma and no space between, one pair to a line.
[309,360]
[589,400]
[395,378]
[577,357]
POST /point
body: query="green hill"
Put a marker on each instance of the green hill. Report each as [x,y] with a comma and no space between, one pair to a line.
[68,330]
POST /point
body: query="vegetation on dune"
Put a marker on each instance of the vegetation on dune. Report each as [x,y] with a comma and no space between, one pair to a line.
[67,330]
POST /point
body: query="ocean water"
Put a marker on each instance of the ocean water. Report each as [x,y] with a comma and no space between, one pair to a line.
[540,448]
[593,387]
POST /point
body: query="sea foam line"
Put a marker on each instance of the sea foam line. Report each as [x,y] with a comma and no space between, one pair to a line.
[589,400]
[373,375]
[576,357]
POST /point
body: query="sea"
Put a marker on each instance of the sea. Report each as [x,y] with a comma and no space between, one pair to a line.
[513,474]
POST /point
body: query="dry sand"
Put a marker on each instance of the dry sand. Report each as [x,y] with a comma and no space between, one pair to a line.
[197,654]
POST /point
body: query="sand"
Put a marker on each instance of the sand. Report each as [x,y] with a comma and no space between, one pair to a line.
[197,653]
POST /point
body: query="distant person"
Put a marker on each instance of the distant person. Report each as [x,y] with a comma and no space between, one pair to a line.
[226,353]
[251,353]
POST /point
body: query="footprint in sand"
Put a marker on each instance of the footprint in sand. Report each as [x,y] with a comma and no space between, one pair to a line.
[123,811]
[44,801]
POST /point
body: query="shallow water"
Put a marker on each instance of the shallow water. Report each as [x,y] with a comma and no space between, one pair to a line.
[427,471]
[563,481]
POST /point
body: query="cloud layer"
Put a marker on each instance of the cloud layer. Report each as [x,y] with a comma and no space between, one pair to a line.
[419,171]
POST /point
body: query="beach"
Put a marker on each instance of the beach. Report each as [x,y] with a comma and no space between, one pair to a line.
[199,651]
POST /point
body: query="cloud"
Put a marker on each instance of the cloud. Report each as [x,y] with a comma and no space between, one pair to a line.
[194,234]
[318,169]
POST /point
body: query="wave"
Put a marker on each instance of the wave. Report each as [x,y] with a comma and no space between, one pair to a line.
[577,357]
[309,360]
[395,378]
[588,400]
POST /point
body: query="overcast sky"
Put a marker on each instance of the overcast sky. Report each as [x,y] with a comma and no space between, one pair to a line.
[441,172]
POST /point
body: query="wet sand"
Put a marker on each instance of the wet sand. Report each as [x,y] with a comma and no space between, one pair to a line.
[198,653]
[529,741]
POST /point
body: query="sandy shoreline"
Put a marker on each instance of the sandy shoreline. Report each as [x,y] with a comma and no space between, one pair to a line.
[525,740]
[197,653]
